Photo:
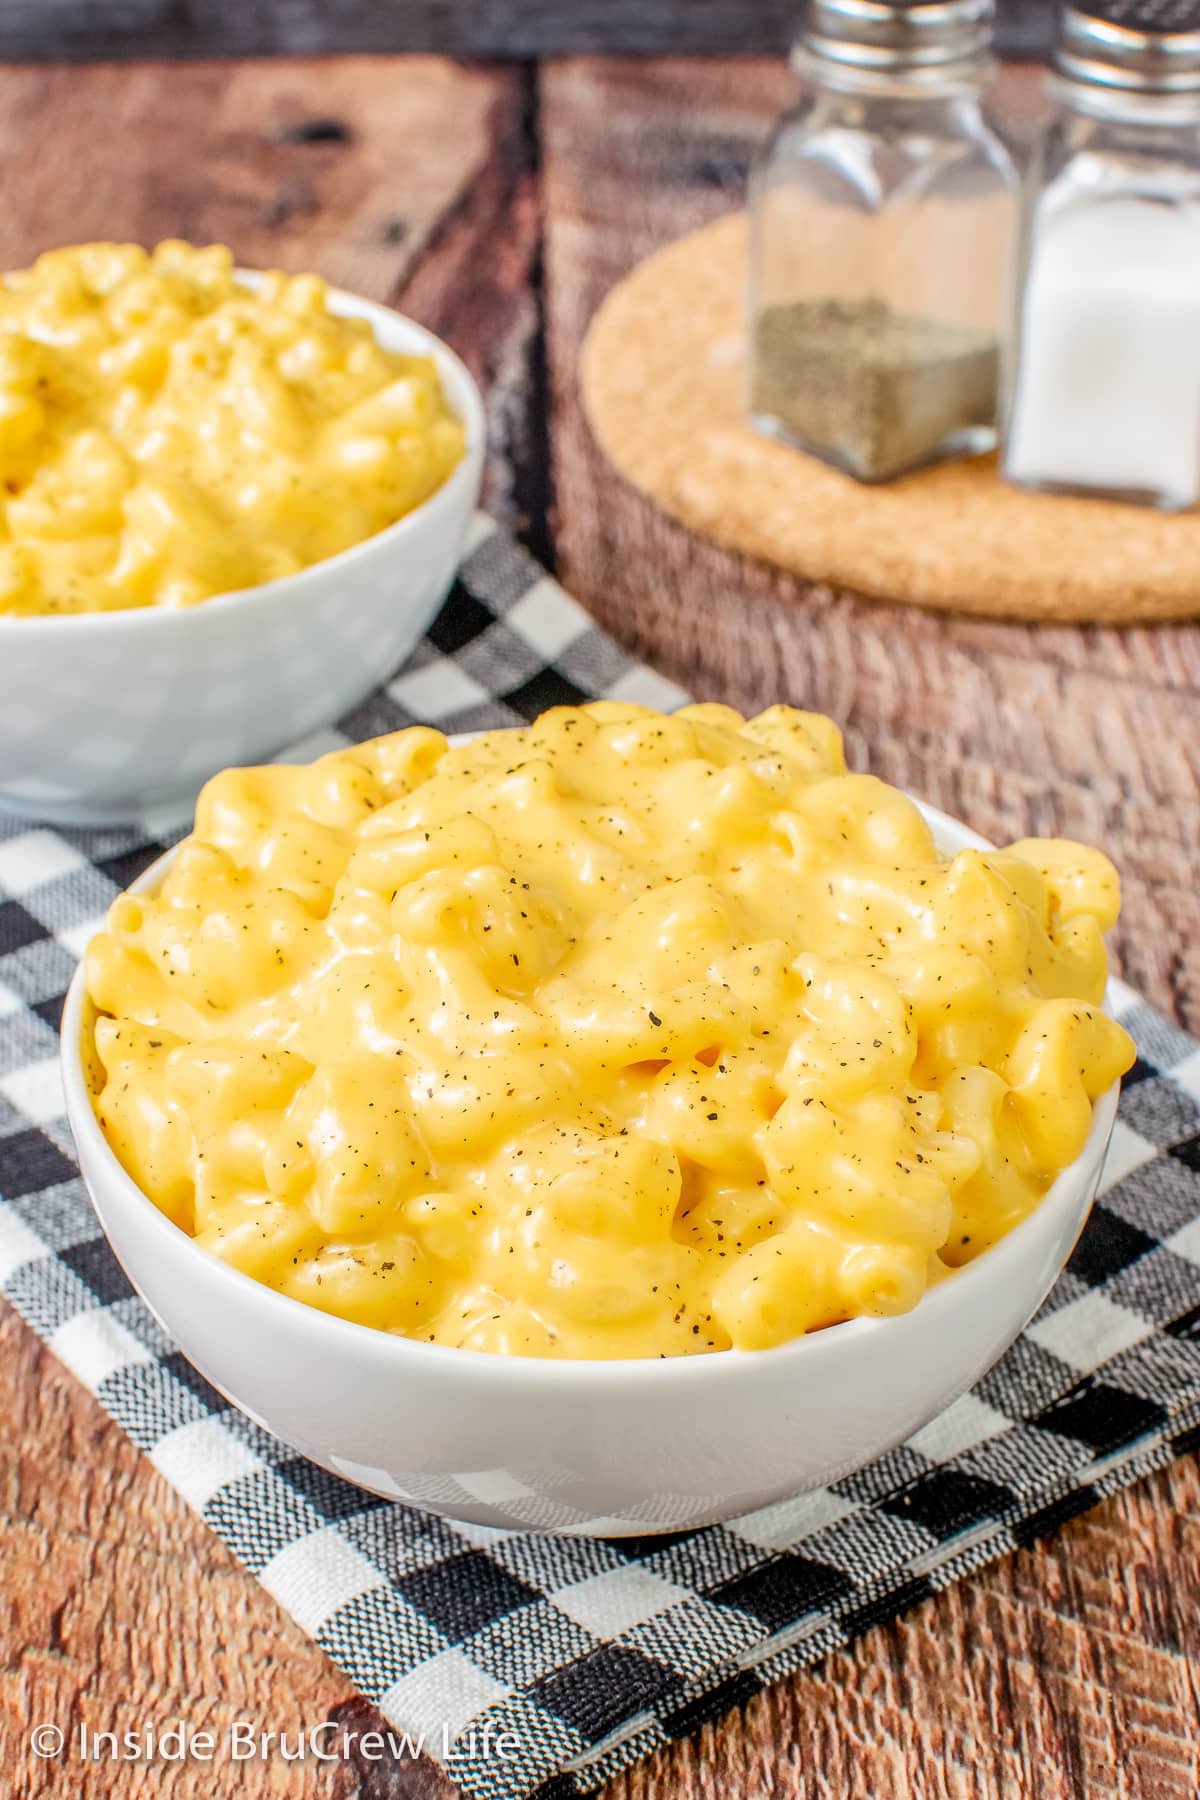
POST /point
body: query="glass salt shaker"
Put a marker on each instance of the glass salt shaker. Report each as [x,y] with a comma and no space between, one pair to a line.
[882,211]
[1103,384]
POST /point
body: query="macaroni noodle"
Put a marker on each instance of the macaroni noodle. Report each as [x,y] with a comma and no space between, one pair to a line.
[167,434]
[620,1035]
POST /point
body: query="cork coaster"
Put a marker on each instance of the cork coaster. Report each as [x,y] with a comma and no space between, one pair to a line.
[662,372]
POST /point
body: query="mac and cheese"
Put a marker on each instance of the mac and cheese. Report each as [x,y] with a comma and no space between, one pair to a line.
[167,433]
[621,1035]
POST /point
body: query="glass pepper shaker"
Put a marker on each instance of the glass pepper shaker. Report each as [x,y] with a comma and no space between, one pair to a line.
[1103,384]
[881,216]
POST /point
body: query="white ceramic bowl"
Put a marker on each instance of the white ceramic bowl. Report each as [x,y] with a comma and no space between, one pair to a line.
[603,1448]
[106,715]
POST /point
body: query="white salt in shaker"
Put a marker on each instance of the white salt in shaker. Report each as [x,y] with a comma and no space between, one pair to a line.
[1103,386]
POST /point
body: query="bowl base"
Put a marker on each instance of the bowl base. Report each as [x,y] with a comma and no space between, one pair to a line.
[159,815]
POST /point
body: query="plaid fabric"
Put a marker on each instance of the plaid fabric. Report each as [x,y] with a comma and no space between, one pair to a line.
[592,1653]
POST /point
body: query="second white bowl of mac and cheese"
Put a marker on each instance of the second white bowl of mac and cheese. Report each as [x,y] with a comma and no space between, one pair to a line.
[232,504]
[608,1126]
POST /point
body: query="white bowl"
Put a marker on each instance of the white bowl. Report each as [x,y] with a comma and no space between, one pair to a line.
[105,715]
[604,1448]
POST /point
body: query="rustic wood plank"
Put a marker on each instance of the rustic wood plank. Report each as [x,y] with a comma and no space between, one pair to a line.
[120,1607]
[85,29]
[480,291]
[347,166]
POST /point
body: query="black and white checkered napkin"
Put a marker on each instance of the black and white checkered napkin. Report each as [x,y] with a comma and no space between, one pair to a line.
[591,1653]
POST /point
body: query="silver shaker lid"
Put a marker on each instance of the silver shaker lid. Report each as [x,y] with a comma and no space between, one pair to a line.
[921,41]
[1134,46]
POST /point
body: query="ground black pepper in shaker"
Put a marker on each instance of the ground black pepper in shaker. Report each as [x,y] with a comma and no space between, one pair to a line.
[882,212]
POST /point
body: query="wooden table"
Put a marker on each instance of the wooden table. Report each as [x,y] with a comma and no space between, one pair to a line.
[498,204]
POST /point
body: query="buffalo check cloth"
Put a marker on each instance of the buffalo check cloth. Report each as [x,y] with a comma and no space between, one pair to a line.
[532,1665]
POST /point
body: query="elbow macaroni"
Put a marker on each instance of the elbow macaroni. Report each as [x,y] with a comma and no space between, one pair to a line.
[621,1035]
[167,434]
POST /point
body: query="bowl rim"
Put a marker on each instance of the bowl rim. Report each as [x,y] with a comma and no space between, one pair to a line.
[467,402]
[1065,1195]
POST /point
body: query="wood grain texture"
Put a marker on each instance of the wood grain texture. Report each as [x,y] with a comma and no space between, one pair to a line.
[1069,1670]
[120,1607]
[509,28]
[295,165]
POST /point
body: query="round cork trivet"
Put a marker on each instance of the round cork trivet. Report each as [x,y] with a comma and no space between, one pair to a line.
[662,373]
